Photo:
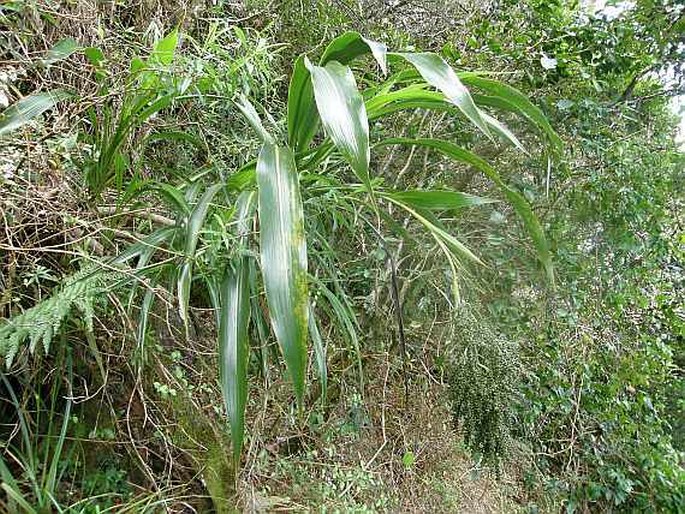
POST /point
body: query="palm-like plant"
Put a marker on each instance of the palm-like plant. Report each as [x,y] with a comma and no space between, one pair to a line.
[216,251]
[327,95]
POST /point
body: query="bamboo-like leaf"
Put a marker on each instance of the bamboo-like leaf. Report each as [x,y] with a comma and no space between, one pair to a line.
[197,219]
[284,257]
[174,198]
[319,352]
[343,114]
[234,318]
[150,243]
[409,97]
[303,120]
[29,107]
[253,118]
[438,232]
[502,131]
[350,45]
[415,96]
[440,75]
[438,200]
[195,222]
[509,98]
[521,206]
[60,51]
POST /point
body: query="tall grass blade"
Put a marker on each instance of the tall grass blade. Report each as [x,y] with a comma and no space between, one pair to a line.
[284,257]
[55,458]
[345,314]
[14,494]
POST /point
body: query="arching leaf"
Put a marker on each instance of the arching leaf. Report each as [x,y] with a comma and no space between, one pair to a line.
[350,45]
[504,96]
[441,76]
[522,207]
[195,222]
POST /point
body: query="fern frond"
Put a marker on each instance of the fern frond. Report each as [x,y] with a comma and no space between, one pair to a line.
[41,322]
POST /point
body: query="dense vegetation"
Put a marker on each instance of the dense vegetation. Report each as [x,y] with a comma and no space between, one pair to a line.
[341,256]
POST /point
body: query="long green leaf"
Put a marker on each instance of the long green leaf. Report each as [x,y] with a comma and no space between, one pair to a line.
[438,232]
[408,97]
[174,198]
[440,75]
[253,118]
[415,96]
[521,206]
[319,352]
[150,244]
[284,257]
[342,310]
[18,498]
[303,120]
[509,98]
[502,131]
[350,45]
[29,107]
[60,51]
[234,318]
[195,222]
[438,200]
[343,114]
